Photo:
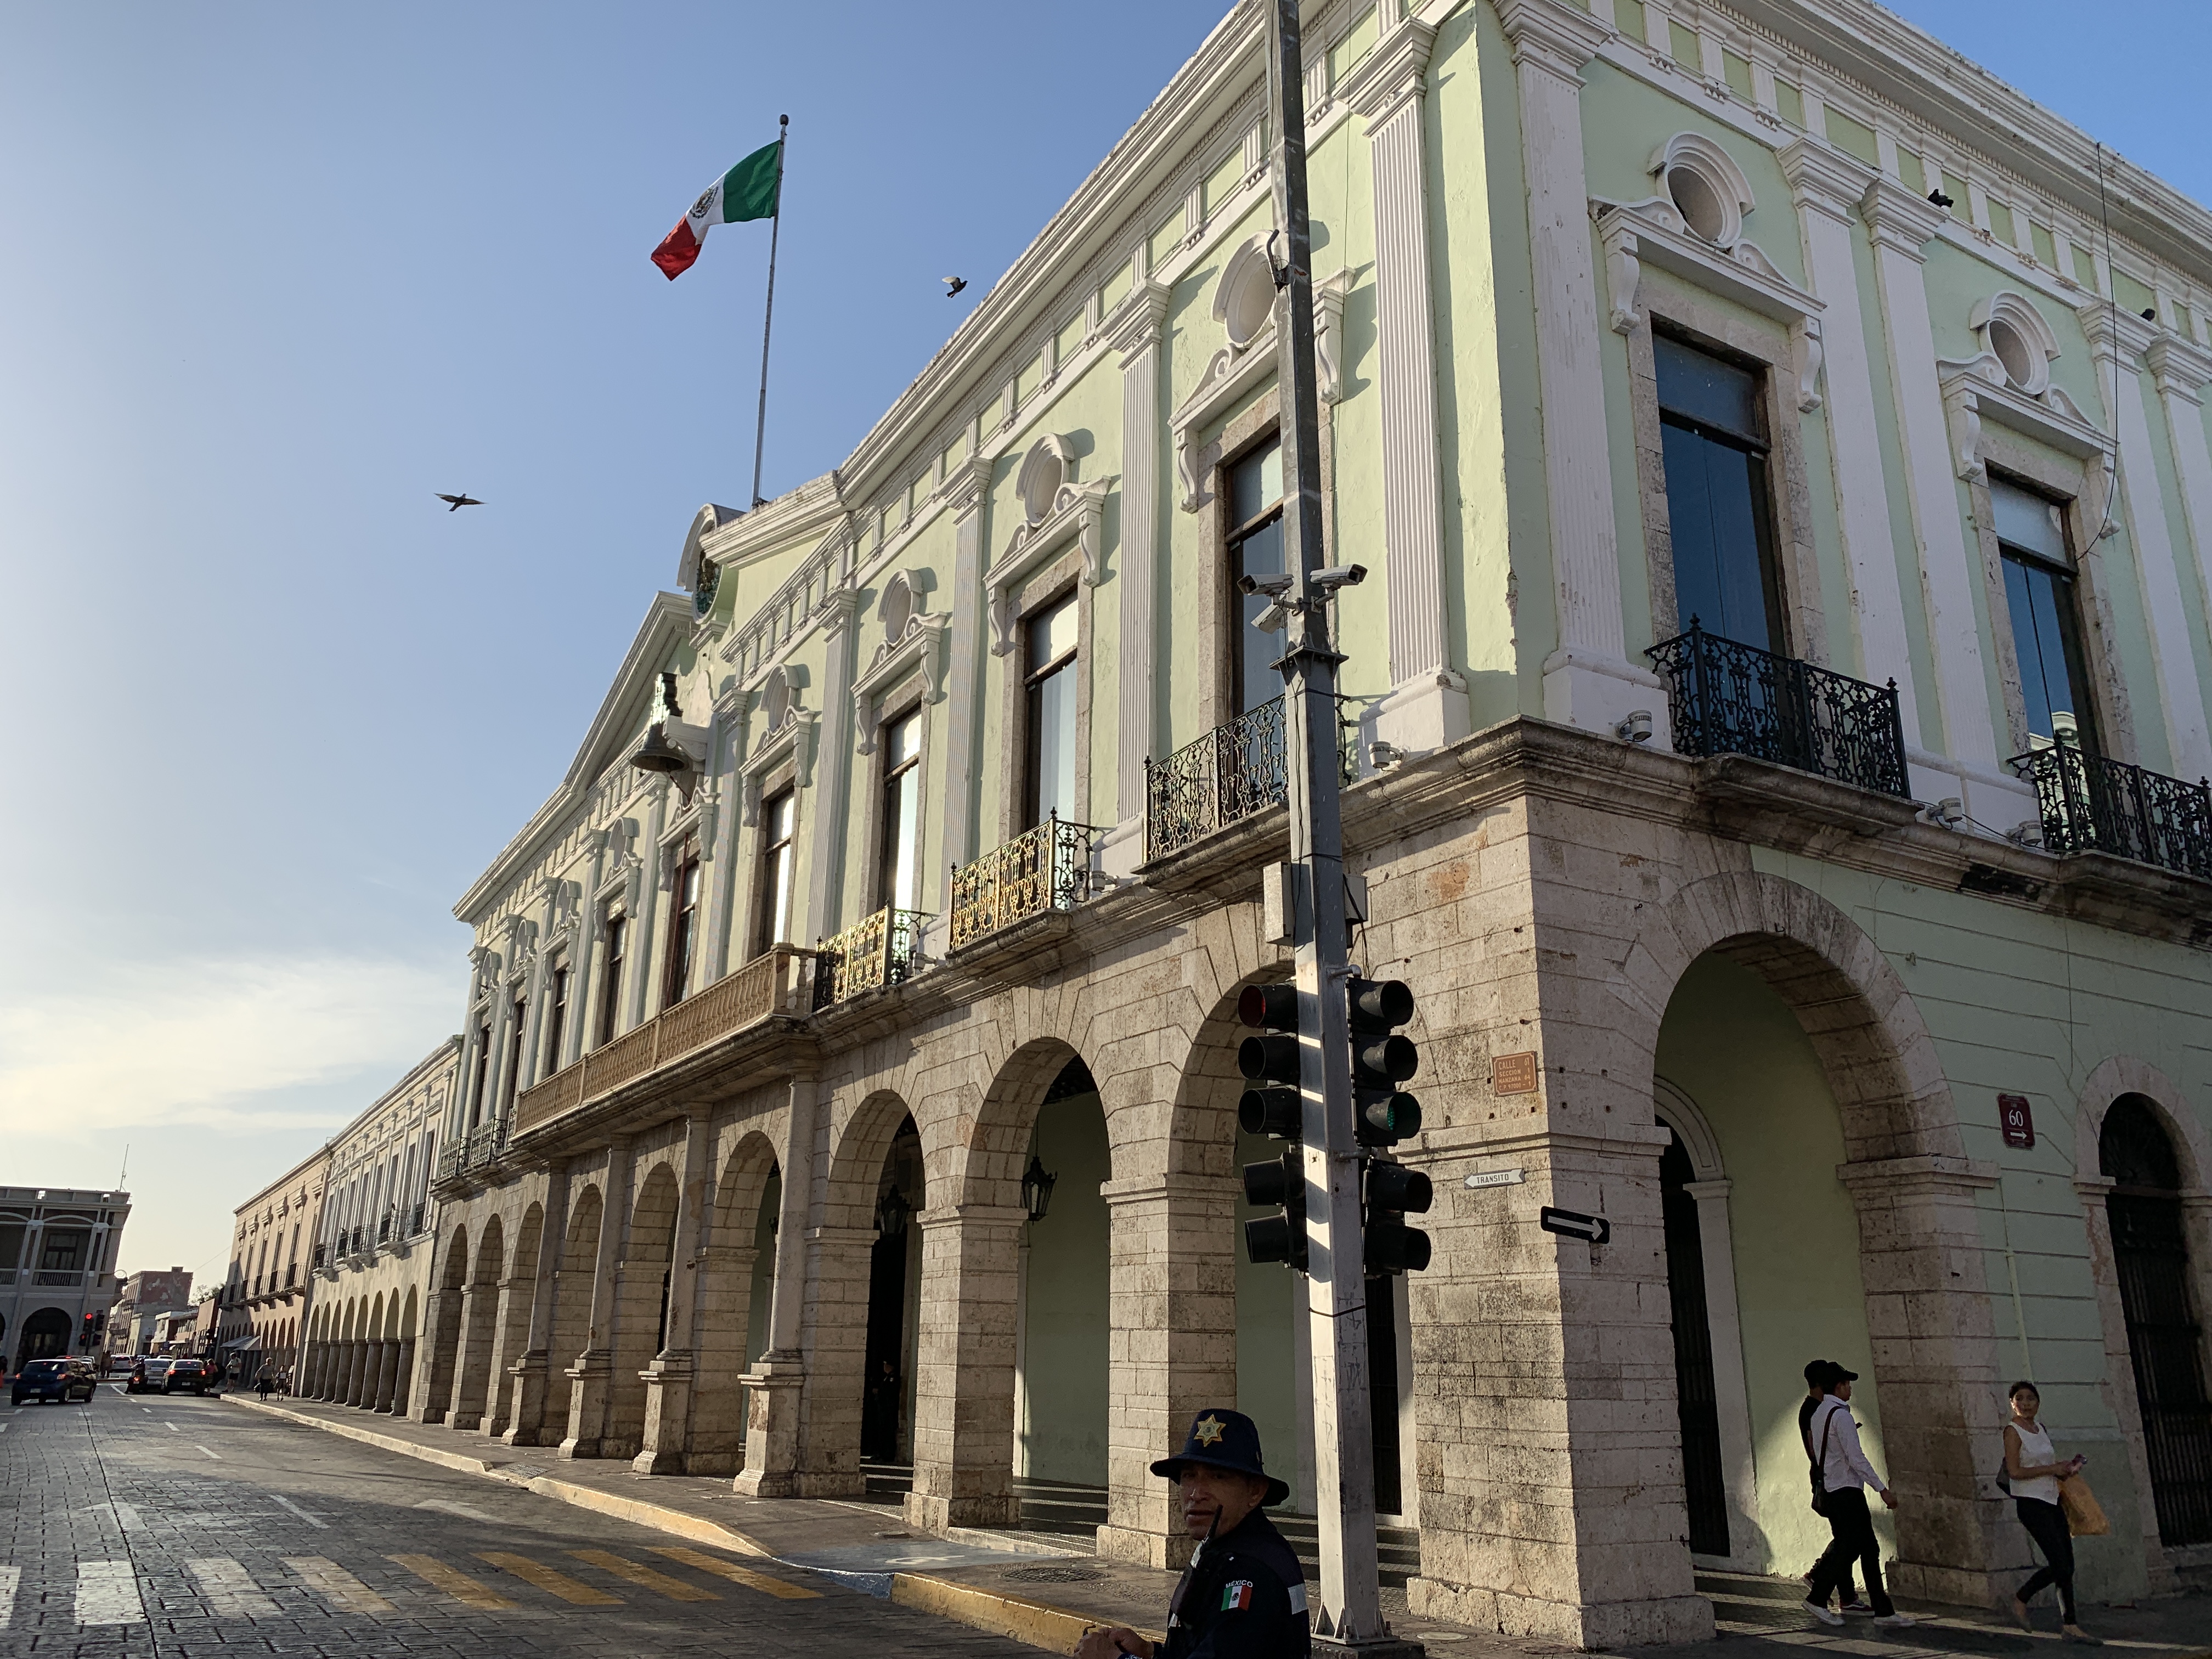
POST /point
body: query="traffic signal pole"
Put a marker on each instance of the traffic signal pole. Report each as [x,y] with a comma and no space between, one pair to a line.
[1349,1608]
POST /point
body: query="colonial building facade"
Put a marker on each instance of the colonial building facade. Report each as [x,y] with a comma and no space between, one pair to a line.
[373,1240]
[57,1251]
[1771,723]
[268,1291]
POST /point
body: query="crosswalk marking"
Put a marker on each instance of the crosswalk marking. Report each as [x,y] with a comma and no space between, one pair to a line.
[335,1584]
[228,1590]
[568,1589]
[638,1573]
[172,1428]
[107,1594]
[10,1576]
[314,1520]
[216,1455]
[459,1585]
[737,1575]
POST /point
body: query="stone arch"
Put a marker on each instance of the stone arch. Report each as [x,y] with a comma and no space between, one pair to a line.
[643,1281]
[572,1305]
[446,1311]
[1930,1322]
[479,1318]
[2114,1079]
[516,1295]
[998,1139]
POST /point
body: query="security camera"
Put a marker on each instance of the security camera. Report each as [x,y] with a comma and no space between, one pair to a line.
[1636,728]
[1342,575]
[1273,587]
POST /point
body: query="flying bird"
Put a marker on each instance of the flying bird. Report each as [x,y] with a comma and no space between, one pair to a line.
[458,501]
[953,285]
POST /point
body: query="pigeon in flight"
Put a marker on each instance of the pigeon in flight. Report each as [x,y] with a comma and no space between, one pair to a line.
[953,285]
[458,501]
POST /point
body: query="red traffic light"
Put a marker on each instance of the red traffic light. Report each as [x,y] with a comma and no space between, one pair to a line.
[1269,1007]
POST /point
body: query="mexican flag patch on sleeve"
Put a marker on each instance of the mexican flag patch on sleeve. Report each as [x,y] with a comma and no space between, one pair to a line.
[1238,1598]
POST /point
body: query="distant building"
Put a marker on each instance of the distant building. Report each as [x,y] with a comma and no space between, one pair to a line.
[57,1249]
[266,1293]
[137,1324]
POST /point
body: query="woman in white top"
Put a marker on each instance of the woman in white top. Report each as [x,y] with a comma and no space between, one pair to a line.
[2032,1466]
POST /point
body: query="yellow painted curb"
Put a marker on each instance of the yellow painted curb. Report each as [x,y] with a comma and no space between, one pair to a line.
[1034,1623]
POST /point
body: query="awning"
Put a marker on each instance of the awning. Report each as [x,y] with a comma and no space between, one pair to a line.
[252,1341]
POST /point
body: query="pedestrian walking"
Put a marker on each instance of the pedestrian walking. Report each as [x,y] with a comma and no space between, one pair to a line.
[1840,1475]
[2033,1471]
[1847,1595]
[265,1382]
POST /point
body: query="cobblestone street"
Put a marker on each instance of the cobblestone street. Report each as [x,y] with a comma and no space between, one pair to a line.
[174,1526]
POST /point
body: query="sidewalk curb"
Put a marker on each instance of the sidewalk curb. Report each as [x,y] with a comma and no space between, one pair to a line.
[1036,1624]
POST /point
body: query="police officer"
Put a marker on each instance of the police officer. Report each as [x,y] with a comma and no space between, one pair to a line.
[1243,1595]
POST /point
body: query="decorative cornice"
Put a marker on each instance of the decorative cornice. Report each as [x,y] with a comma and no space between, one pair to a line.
[1392,77]
[1077,514]
[1824,179]
[1553,35]
[2179,368]
[1978,387]
[1136,323]
[921,647]
[2113,331]
[1898,220]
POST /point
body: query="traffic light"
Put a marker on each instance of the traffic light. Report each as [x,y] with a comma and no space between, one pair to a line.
[1392,1192]
[1382,1059]
[1271,1106]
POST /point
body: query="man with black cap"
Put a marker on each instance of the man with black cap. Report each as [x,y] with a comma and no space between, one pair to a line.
[1243,1595]
[1842,1473]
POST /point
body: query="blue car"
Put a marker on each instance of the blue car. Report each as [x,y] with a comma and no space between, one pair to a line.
[58,1380]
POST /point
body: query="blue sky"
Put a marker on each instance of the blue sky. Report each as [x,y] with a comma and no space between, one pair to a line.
[274,273]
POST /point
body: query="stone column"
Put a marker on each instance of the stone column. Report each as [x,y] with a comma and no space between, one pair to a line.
[365,1355]
[1900,224]
[2114,342]
[772,1423]
[1588,681]
[1135,333]
[1932,1328]
[402,1388]
[388,1375]
[963,700]
[1427,706]
[963,1409]
[837,1338]
[1828,185]
[717,1433]
[589,1371]
[529,1374]
[668,1379]
[508,1318]
[1724,1328]
[833,766]
[472,1364]
[1170,1350]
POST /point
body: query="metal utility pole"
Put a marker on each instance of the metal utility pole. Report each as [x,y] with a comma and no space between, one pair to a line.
[1348,1611]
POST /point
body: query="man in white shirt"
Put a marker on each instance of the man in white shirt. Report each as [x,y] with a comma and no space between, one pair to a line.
[1832,1442]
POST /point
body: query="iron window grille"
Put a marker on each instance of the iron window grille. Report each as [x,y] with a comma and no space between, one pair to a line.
[1225,777]
[2092,804]
[1728,698]
[875,951]
[1046,868]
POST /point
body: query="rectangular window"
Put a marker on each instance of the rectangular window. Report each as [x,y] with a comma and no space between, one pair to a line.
[611,979]
[2046,629]
[63,1250]
[682,924]
[482,1079]
[1049,686]
[1714,445]
[556,1019]
[779,819]
[1255,549]
[513,1081]
[899,857]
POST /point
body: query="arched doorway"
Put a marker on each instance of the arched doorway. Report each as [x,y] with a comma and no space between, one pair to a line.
[641,1311]
[894,1304]
[2165,1337]
[572,1309]
[46,1335]
[1061,1346]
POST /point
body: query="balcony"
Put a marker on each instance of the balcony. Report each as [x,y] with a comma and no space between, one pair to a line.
[1223,778]
[479,1147]
[766,986]
[1724,698]
[1047,868]
[2093,804]
[874,952]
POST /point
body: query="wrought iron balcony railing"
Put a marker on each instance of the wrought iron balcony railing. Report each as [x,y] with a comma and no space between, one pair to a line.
[1725,698]
[1223,778]
[874,952]
[1046,868]
[2090,804]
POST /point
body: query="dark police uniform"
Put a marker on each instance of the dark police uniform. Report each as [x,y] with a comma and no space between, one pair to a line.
[1243,1595]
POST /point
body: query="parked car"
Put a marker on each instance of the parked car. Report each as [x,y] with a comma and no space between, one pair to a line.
[148,1373]
[59,1381]
[194,1374]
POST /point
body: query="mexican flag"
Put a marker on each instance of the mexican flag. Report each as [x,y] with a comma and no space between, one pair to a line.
[747,190]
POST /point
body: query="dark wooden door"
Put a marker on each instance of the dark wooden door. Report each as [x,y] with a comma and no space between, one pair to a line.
[1694,1394]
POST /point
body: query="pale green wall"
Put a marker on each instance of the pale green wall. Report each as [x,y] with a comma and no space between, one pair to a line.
[1062,1433]
[1732,1046]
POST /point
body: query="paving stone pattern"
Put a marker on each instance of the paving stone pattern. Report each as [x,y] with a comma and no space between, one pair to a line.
[179,1527]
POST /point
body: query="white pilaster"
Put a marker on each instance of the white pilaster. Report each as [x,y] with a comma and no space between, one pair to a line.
[1136,337]
[1588,681]
[2181,373]
[833,771]
[964,679]
[2115,342]
[1900,224]
[1825,183]
[1428,705]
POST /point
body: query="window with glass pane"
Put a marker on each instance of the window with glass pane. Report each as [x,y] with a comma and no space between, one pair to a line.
[1255,549]
[556,1020]
[1050,687]
[779,816]
[483,1071]
[682,924]
[517,1018]
[611,979]
[1714,445]
[898,859]
[2046,629]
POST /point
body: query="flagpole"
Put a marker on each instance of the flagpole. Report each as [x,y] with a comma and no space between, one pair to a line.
[767,319]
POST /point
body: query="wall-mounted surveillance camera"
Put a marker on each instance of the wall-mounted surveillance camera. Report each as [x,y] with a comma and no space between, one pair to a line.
[1273,586]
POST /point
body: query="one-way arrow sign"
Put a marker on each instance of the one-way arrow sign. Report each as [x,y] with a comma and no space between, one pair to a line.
[1574,1225]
